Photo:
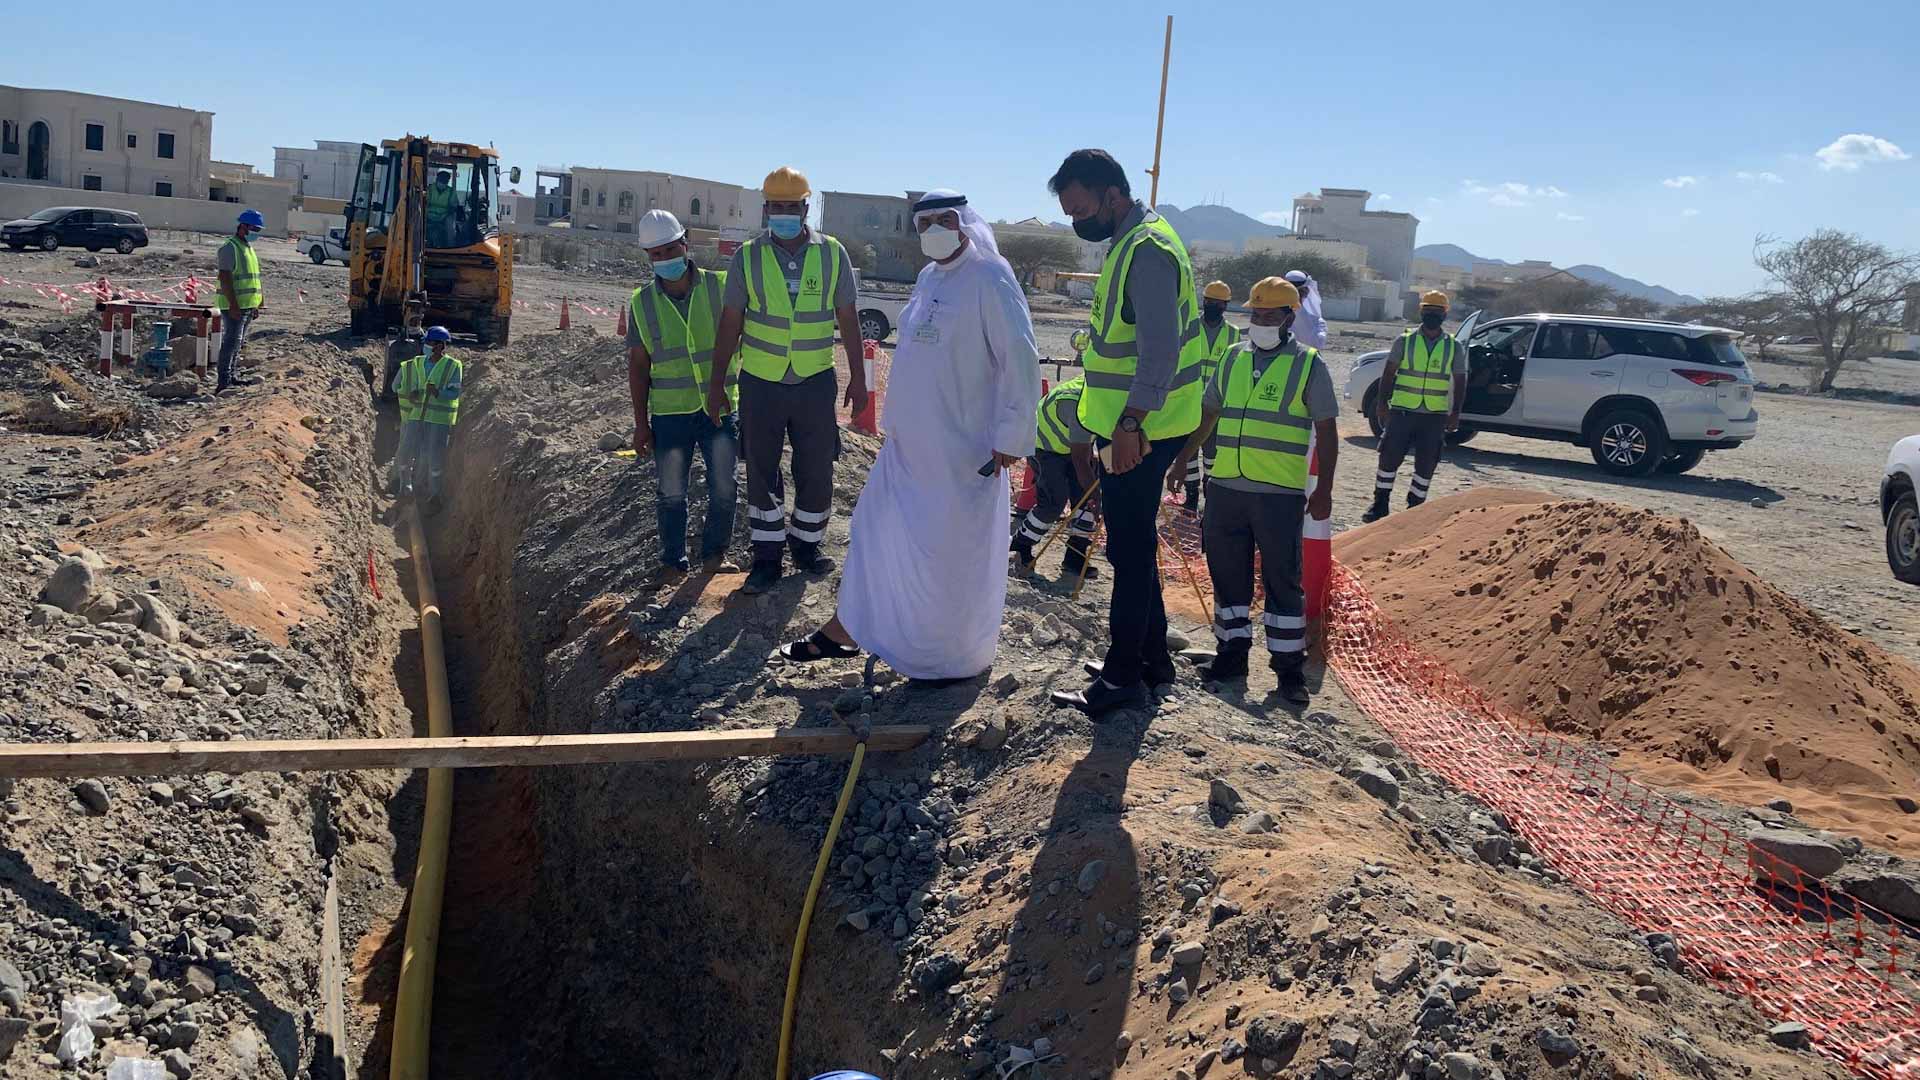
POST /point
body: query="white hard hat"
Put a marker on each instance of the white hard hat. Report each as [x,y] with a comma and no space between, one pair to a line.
[658,227]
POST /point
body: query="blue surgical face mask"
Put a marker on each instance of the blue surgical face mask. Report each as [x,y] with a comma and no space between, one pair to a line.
[786,226]
[249,235]
[670,269]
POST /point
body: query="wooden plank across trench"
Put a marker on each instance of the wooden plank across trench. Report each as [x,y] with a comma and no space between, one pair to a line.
[83,759]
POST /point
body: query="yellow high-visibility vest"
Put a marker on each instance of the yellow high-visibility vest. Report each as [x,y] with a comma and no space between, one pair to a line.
[783,332]
[681,348]
[1424,380]
[1264,426]
[1113,354]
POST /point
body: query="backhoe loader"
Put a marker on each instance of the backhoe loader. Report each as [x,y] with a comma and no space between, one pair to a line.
[423,226]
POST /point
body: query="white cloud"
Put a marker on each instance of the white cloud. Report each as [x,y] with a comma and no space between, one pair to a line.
[1690,212]
[1384,198]
[1510,193]
[1276,217]
[1564,216]
[1435,199]
[1681,181]
[1758,177]
[1849,152]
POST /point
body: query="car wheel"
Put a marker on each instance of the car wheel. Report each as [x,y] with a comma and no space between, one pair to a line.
[1368,405]
[49,242]
[125,246]
[1684,461]
[318,254]
[1903,539]
[1461,437]
[874,326]
[1628,442]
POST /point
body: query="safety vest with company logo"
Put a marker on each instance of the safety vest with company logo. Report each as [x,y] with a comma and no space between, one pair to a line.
[438,406]
[1264,426]
[245,274]
[439,201]
[410,387]
[1113,354]
[1424,381]
[681,347]
[783,331]
[1227,337]
[1054,436]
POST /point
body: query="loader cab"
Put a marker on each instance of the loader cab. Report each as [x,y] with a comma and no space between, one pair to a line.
[466,215]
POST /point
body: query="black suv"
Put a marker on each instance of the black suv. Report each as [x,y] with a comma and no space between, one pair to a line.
[76,226]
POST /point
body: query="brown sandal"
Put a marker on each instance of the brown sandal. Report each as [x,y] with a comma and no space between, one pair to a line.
[816,647]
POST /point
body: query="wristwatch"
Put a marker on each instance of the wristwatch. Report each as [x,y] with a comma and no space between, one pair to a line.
[1130,423]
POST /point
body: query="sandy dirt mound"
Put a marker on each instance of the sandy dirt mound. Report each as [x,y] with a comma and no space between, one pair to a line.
[1635,630]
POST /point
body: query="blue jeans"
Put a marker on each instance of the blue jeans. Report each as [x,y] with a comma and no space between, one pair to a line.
[674,440]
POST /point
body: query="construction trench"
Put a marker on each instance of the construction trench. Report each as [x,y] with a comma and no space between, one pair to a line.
[1221,887]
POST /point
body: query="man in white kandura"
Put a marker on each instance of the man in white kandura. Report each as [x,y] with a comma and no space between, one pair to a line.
[925,582]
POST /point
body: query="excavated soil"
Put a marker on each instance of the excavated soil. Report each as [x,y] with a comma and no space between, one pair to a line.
[1631,628]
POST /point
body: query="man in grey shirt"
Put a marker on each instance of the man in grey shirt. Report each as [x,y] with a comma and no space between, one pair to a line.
[1274,394]
[1155,295]
[787,381]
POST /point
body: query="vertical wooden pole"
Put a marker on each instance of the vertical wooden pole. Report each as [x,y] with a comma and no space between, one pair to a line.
[1160,125]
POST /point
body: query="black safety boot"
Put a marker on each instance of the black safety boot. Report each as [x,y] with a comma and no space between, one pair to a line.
[1227,665]
[1379,509]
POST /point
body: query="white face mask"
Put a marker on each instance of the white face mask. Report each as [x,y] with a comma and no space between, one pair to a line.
[1265,337]
[940,242]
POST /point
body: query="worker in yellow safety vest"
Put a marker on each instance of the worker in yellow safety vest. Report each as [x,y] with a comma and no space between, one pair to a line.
[1064,470]
[240,296]
[671,324]
[787,291]
[409,388]
[1268,406]
[1417,403]
[1142,398]
[441,378]
[1221,337]
[443,207]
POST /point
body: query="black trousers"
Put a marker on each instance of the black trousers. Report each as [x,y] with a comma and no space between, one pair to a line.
[1137,617]
[1237,524]
[1057,489]
[1422,432]
[771,416]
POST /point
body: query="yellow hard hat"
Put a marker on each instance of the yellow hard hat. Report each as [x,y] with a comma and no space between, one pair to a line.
[1433,298]
[786,184]
[1273,292]
[1218,290]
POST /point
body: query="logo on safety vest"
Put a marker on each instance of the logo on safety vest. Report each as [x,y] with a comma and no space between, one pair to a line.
[1270,392]
[810,283]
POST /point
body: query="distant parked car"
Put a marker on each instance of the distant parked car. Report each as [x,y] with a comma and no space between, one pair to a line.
[89,227]
[1899,511]
[1643,396]
[331,244]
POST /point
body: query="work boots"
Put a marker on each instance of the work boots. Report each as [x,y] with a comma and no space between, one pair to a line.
[1414,500]
[1293,683]
[1227,665]
[1023,560]
[1193,496]
[1379,509]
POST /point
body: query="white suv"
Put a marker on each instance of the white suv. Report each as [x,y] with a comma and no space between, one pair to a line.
[1900,511]
[1642,395]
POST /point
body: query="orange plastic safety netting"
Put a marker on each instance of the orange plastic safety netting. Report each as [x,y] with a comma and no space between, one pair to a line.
[1740,919]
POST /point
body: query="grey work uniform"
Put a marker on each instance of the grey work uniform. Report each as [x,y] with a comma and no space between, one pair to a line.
[233,324]
[1421,430]
[1244,516]
[796,410]
[1057,488]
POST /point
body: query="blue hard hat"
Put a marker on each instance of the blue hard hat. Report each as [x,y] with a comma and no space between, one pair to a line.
[438,333]
[253,218]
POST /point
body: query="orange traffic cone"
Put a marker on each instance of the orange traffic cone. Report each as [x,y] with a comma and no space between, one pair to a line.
[622,328]
[566,322]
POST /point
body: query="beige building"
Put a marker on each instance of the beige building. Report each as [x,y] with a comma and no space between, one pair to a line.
[63,138]
[1434,274]
[1342,214]
[612,200]
[1345,252]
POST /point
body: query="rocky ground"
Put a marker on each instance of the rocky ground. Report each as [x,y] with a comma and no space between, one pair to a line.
[1219,887]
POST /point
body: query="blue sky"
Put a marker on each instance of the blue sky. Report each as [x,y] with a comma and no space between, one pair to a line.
[1653,138]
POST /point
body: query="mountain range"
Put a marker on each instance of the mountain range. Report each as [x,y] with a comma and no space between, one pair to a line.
[1455,255]
[1209,223]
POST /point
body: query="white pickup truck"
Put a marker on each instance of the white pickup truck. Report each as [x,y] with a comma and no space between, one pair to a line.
[879,312]
[331,244]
